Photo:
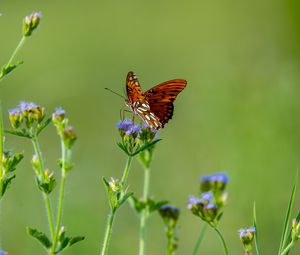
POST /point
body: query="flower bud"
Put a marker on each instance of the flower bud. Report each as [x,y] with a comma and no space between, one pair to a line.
[115,185]
[30,23]
[69,137]
[295,229]
[216,182]
[170,214]
[58,116]
[15,117]
[247,237]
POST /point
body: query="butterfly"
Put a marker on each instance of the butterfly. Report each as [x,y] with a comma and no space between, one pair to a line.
[155,106]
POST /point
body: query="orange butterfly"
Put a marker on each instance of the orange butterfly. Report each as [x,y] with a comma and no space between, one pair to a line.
[154,106]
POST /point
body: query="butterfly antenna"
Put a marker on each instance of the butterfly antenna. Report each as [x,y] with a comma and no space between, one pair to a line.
[115,93]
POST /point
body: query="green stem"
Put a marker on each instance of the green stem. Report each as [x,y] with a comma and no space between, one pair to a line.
[126,170]
[199,240]
[112,214]
[145,212]
[109,225]
[64,159]
[14,54]
[222,240]
[170,235]
[1,141]
[45,196]
[287,248]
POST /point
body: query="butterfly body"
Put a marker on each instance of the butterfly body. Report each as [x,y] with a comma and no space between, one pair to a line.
[154,106]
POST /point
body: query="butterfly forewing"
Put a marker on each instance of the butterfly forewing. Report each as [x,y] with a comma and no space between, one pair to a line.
[155,106]
[133,88]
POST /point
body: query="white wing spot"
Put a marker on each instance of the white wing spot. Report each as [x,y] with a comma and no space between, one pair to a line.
[136,83]
[147,117]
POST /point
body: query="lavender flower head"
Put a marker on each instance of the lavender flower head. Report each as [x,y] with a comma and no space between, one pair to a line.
[214,182]
[126,127]
[246,232]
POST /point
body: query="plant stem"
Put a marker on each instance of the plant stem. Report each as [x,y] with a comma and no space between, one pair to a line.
[222,240]
[64,160]
[45,196]
[109,225]
[145,212]
[171,241]
[1,141]
[199,240]
[287,248]
[126,170]
[14,54]
[112,214]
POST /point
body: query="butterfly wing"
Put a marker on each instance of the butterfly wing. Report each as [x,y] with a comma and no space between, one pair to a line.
[161,97]
[133,88]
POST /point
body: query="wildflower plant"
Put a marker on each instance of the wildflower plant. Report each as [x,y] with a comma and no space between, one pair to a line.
[28,120]
[170,215]
[134,140]
[208,206]
[30,23]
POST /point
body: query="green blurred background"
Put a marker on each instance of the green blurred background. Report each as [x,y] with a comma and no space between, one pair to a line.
[239,113]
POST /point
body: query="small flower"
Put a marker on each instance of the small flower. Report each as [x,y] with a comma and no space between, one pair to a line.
[170,214]
[115,185]
[32,112]
[215,182]
[3,253]
[247,237]
[31,22]
[148,133]
[58,116]
[69,136]
[15,117]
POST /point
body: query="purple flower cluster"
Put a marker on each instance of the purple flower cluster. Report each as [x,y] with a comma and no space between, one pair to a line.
[213,197]
[247,237]
[28,111]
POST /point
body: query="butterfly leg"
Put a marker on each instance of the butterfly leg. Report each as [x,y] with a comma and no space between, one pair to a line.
[122,112]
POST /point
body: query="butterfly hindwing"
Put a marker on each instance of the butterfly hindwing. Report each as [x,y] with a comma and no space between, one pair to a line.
[161,97]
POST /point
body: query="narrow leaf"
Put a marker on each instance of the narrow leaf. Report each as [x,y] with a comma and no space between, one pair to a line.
[144,147]
[124,198]
[285,231]
[40,236]
[256,231]
[75,240]
[123,148]
[19,132]
[43,125]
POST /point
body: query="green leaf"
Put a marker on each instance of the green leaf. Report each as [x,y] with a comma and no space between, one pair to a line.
[40,236]
[154,206]
[285,232]
[123,148]
[11,161]
[144,147]
[5,184]
[256,230]
[124,198]
[8,69]
[19,132]
[43,125]
[75,240]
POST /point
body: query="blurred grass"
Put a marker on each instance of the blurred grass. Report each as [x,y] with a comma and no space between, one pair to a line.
[240,112]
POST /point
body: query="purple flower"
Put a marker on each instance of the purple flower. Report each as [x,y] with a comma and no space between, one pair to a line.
[193,202]
[126,127]
[214,182]
[245,233]
[169,212]
[208,196]
[3,253]
[58,116]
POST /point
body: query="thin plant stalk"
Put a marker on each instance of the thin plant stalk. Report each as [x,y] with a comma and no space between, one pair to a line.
[222,240]
[112,214]
[65,154]
[199,240]
[145,212]
[14,54]
[45,196]
[287,248]
[1,153]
